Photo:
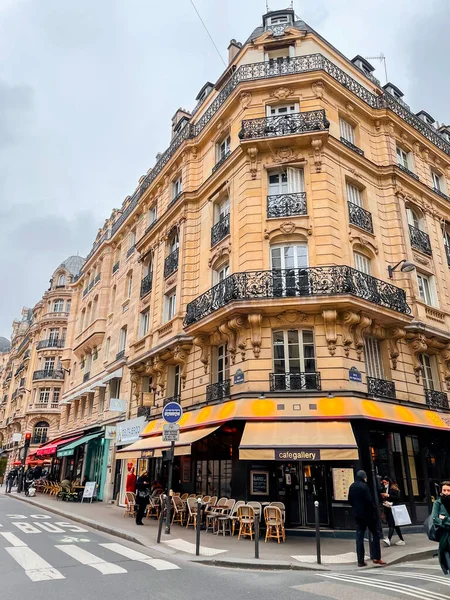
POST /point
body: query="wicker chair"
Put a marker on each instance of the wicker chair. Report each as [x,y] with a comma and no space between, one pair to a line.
[246,515]
[192,512]
[179,510]
[274,524]
[130,498]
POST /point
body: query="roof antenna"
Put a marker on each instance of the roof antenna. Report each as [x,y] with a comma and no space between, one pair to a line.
[267,6]
[381,58]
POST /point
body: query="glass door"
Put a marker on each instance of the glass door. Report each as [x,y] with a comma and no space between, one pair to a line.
[315,488]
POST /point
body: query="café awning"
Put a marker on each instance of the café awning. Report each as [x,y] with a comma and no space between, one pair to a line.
[152,447]
[300,440]
[70,448]
[51,448]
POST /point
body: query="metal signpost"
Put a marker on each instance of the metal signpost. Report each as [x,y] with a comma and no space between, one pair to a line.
[171,414]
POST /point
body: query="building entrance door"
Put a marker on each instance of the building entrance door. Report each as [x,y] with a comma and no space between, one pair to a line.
[315,488]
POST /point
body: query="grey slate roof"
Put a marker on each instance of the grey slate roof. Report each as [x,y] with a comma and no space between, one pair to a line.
[73,264]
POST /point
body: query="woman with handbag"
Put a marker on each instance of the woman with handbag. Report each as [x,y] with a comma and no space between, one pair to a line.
[441,521]
[391,497]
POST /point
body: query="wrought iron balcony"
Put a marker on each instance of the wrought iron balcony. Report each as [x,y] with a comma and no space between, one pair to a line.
[294,382]
[283,283]
[221,160]
[381,388]
[86,377]
[174,199]
[39,439]
[441,194]
[130,250]
[51,343]
[171,263]
[150,227]
[435,399]
[120,354]
[144,411]
[146,284]
[175,398]
[286,205]
[22,382]
[48,374]
[220,230]
[116,267]
[281,125]
[352,146]
[216,392]
[420,240]
[360,217]
[27,355]
[408,172]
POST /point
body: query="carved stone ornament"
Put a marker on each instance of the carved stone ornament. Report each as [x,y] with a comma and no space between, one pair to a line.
[348,323]
[237,325]
[136,385]
[418,344]
[363,241]
[422,260]
[316,144]
[180,356]
[286,154]
[245,99]
[252,154]
[330,318]
[445,355]
[358,336]
[318,89]
[203,342]
[219,254]
[255,325]
[231,340]
[291,317]
[281,93]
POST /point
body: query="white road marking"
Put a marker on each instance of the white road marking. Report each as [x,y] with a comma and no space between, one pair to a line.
[398,588]
[188,547]
[35,567]
[50,527]
[157,563]
[17,516]
[40,517]
[26,527]
[71,527]
[73,540]
[86,558]
[413,575]
[13,539]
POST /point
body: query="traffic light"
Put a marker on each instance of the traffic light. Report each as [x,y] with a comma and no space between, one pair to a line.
[27,440]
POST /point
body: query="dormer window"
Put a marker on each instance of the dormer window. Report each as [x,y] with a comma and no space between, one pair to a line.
[425,117]
[363,65]
[206,89]
[277,21]
[444,130]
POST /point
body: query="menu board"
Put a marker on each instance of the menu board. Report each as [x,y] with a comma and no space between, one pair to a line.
[259,483]
[342,480]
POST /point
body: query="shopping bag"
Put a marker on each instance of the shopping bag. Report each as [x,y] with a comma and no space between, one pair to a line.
[401,515]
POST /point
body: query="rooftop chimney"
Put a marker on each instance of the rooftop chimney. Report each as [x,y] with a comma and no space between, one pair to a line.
[233,49]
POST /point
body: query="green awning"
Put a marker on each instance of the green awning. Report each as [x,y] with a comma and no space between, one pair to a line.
[69,449]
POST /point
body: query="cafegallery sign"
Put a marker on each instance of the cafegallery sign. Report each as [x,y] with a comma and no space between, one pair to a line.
[129,431]
[297,454]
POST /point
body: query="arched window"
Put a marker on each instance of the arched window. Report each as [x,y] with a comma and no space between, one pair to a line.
[414,218]
[174,242]
[61,280]
[289,264]
[40,432]
[58,305]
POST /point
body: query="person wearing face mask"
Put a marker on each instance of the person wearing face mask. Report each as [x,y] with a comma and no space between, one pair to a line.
[441,520]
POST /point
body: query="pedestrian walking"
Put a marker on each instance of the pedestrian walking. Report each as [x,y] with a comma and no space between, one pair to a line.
[12,476]
[142,496]
[364,512]
[391,497]
[441,521]
[29,478]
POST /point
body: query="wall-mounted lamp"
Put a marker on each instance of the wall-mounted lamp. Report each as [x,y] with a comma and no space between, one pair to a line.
[61,368]
[406,267]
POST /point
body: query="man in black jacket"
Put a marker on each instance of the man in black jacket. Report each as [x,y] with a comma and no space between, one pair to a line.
[360,499]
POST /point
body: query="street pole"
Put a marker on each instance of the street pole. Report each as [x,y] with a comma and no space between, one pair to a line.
[317,519]
[169,486]
[23,460]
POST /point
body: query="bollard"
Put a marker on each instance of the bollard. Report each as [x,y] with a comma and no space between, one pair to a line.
[256,536]
[161,520]
[198,527]
[316,513]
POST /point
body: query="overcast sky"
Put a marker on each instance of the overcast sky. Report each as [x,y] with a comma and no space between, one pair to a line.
[88,87]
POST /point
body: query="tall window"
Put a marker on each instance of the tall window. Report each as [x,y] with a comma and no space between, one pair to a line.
[53,335]
[144,322]
[290,277]
[68,305]
[132,239]
[174,380]
[90,404]
[347,131]
[101,399]
[56,395]
[113,298]
[426,288]
[223,369]
[40,432]
[58,305]
[44,395]
[49,364]
[170,305]
[88,363]
[293,359]
[107,345]
[223,148]
[174,242]
[414,218]
[123,339]
[289,181]
[61,280]
[221,273]
[403,158]
[177,188]
[152,215]
[354,194]
[374,362]
[438,182]
[429,372]
[221,210]
[362,263]
[129,285]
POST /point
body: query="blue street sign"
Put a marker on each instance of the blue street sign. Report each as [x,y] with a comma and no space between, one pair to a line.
[172,412]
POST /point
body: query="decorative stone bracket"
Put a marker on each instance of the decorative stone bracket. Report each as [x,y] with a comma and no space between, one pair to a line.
[252,154]
[330,318]
[255,326]
[204,343]
[394,336]
[417,344]
[180,357]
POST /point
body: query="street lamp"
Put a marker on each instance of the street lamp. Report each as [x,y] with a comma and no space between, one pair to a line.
[61,368]
[407,267]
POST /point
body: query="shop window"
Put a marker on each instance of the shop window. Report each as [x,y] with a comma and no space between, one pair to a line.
[294,362]
[374,360]
[213,477]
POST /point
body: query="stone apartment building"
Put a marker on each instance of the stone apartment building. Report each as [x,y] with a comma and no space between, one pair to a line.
[283,272]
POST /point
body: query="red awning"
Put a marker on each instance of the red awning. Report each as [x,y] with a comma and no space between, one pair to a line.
[51,448]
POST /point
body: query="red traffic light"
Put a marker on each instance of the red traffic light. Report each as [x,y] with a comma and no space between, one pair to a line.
[27,436]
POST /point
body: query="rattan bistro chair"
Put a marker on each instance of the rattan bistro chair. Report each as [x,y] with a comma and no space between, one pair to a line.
[192,512]
[246,515]
[281,506]
[234,519]
[274,524]
[130,499]
[223,521]
[179,510]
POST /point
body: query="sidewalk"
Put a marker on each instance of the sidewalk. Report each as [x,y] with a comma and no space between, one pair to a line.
[296,553]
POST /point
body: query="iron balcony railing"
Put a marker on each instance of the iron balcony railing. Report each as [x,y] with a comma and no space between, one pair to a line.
[146,284]
[360,217]
[97,244]
[420,240]
[221,160]
[23,343]
[116,267]
[284,283]
[216,392]
[280,125]
[150,227]
[381,388]
[48,374]
[352,146]
[27,355]
[51,343]
[435,399]
[171,263]
[120,354]
[174,199]
[130,250]
[294,382]
[408,172]
[441,194]
[220,230]
[286,205]
[175,398]
[144,411]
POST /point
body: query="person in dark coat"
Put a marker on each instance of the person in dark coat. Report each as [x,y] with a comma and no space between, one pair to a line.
[441,520]
[28,479]
[364,512]
[142,496]
[12,476]
[37,472]
[391,497]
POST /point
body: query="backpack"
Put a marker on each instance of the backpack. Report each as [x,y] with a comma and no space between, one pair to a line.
[431,530]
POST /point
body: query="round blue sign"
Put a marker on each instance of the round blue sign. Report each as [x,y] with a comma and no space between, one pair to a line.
[172,412]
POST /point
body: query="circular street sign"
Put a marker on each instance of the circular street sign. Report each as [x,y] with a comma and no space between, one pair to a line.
[172,412]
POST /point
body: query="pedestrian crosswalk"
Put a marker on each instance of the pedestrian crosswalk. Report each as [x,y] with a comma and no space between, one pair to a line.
[102,557]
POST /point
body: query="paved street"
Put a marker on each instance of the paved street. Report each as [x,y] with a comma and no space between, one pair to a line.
[46,555]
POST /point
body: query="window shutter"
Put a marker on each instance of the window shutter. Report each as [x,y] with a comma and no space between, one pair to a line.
[362,263]
[296,182]
[353,194]
[374,362]
[347,131]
